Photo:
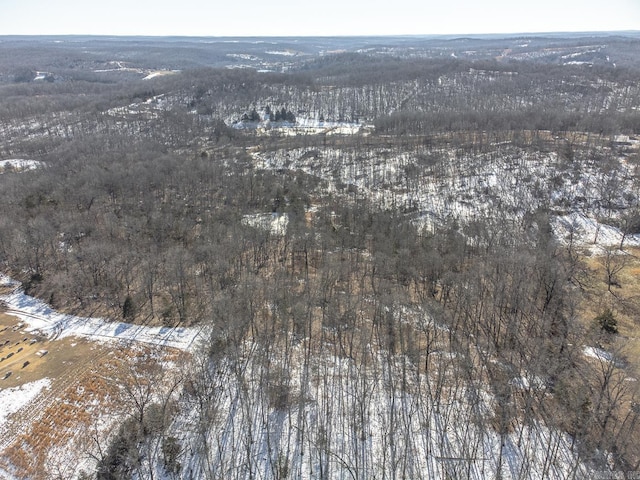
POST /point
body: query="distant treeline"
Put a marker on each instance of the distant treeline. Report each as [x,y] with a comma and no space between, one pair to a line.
[412,122]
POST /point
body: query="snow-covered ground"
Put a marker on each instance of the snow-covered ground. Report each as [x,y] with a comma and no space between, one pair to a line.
[13,399]
[302,126]
[41,318]
[274,223]
[286,53]
[330,417]
[599,354]
[334,418]
[39,402]
[19,164]
[588,231]
[159,73]
[439,184]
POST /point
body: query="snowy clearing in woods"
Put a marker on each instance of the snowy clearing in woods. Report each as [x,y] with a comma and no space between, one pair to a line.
[274,223]
[302,126]
[583,230]
[18,164]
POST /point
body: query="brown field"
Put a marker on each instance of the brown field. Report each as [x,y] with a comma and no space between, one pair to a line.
[86,379]
[62,357]
[623,300]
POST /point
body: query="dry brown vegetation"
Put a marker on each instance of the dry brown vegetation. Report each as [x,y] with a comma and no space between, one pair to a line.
[623,300]
[87,381]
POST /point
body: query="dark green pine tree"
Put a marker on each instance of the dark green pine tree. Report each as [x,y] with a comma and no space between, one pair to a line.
[128,308]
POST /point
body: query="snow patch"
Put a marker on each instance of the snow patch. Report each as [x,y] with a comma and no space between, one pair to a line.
[286,53]
[19,164]
[13,399]
[274,223]
[598,353]
[159,73]
[302,126]
[525,383]
[243,56]
[584,230]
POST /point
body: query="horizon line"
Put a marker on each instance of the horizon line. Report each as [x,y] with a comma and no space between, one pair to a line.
[382,35]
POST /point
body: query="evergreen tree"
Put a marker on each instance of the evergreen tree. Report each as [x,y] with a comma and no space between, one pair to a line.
[607,322]
[128,308]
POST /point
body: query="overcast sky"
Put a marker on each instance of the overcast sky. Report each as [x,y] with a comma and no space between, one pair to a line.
[324,17]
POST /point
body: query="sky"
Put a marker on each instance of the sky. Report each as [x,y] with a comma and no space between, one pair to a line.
[310,18]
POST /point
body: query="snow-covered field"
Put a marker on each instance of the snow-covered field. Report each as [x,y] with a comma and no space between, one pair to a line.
[159,73]
[42,319]
[13,399]
[302,126]
[286,53]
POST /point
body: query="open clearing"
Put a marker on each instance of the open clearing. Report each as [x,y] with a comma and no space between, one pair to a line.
[623,300]
[27,360]
[84,378]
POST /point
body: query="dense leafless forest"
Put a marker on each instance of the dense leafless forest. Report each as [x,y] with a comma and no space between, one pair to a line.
[405,257]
